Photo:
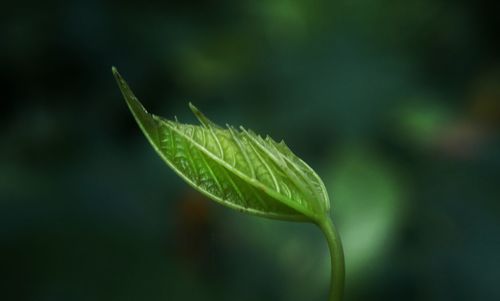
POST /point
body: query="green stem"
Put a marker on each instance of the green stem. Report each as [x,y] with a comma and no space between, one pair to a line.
[336,259]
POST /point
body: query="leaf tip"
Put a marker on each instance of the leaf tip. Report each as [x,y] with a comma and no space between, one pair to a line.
[121,82]
[116,74]
[137,109]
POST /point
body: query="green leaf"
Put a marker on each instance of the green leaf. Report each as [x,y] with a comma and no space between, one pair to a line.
[234,167]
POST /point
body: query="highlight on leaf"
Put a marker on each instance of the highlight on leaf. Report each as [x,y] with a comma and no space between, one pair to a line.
[234,167]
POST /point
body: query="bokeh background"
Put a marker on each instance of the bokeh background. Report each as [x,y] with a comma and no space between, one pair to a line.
[396,104]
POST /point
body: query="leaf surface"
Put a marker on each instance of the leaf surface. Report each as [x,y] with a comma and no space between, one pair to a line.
[234,167]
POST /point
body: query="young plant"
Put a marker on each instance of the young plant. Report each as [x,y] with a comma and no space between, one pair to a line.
[241,170]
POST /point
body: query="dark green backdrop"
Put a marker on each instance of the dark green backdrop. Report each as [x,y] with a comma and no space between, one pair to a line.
[396,104]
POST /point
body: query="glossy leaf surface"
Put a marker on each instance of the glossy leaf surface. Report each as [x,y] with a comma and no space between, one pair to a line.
[234,167]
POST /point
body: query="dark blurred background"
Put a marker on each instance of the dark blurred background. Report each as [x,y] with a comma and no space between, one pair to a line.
[395,104]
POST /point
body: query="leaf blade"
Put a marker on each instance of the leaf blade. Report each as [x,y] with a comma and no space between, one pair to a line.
[234,168]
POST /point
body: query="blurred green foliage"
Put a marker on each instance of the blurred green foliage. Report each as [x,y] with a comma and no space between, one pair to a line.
[397,104]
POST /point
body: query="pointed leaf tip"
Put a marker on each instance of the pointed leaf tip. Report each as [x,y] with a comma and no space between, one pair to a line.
[121,82]
[116,74]
[143,118]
